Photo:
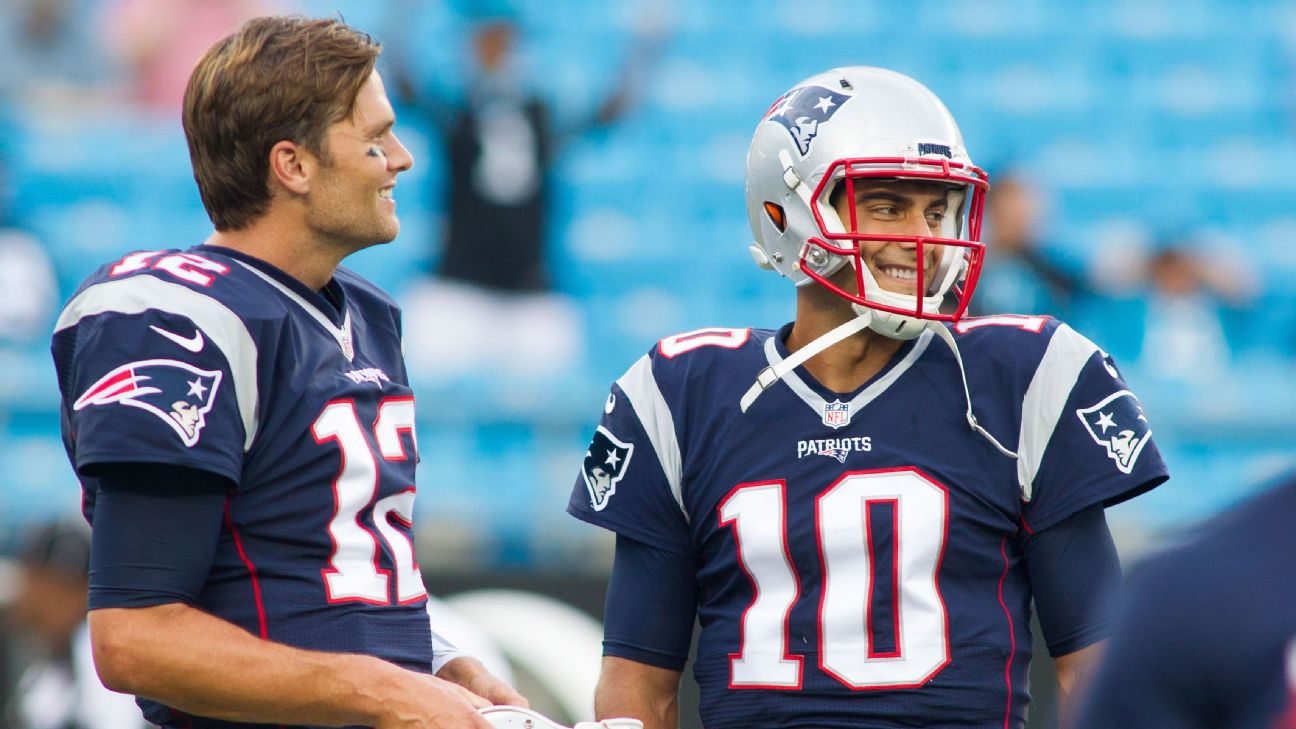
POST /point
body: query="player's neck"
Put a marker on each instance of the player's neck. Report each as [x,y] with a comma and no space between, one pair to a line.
[850,363]
[284,245]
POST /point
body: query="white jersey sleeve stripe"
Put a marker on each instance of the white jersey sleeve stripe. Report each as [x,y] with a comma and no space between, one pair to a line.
[654,414]
[1046,396]
[222,327]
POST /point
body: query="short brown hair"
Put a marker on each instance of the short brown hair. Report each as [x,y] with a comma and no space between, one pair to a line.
[276,78]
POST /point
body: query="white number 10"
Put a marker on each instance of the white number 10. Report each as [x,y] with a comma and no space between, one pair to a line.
[353,574]
[847,649]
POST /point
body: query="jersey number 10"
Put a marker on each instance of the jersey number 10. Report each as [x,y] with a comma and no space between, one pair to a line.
[848,648]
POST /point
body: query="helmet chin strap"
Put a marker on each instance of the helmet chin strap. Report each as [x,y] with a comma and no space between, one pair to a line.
[894,326]
[772,374]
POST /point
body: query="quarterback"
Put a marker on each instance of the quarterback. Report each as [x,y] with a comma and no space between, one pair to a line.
[860,506]
[241,421]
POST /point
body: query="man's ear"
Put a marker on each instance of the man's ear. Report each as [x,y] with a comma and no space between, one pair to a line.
[292,166]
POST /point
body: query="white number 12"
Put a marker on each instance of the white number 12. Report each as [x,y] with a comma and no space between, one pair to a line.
[353,574]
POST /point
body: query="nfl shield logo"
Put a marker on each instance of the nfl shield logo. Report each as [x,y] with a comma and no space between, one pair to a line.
[836,414]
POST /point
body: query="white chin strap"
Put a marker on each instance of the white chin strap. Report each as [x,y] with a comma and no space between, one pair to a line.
[772,374]
[893,326]
[767,377]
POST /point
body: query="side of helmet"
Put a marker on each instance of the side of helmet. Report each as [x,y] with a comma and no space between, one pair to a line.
[847,124]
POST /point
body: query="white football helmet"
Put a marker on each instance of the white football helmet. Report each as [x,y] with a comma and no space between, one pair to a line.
[512,717]
[855,123]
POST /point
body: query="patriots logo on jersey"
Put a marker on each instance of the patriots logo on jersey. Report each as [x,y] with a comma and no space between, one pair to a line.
[804,110]
[1118,424]
[605,464]
[180,394]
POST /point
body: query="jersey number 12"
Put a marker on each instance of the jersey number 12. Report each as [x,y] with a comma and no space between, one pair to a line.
[353,574]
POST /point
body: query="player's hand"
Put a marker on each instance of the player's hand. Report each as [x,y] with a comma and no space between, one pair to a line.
[497,692]
[473,676]
[427,702]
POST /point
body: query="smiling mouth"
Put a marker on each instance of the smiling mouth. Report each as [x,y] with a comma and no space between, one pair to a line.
[897,279]
[900,274]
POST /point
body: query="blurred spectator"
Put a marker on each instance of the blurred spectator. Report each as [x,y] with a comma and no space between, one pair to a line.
[1018,277]
[491,298]
[51,56]
[58,687]
[26,277]
[160,41]
[1183,336]
[29,286]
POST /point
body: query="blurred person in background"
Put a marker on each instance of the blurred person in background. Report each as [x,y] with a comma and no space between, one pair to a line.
[1018,276]
[1207,633]
[58,687]
[1183,333]
[500,144]
[157,42]
[241,422]
[861,506]
[26,275]
[31,289]
[52,58]
[1167,302]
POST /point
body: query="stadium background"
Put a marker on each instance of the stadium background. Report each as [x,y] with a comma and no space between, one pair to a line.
[1137,118]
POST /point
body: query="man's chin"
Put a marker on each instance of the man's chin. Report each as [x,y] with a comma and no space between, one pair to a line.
[388,233]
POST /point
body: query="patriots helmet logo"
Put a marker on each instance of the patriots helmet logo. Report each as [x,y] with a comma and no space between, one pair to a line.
[802,111]
[1118,424]
[605,464]
[180,394]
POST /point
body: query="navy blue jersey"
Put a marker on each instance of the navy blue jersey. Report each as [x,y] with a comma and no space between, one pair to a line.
[1207,637]
[216,361]
[860,554]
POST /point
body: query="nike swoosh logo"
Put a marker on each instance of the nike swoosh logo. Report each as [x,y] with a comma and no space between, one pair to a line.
[193,344]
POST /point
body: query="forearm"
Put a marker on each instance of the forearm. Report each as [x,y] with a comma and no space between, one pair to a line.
[634,690]
[1074,671]
[200,664]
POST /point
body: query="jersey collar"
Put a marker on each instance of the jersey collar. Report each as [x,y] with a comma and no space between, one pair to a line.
[816,396]
[319,306]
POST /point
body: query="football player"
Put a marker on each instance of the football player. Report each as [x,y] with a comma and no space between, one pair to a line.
[1207,635]
[860,506]
[241,421]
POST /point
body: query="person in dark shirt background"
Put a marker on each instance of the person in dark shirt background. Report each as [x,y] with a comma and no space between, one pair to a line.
[500,143]
[1019,276]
